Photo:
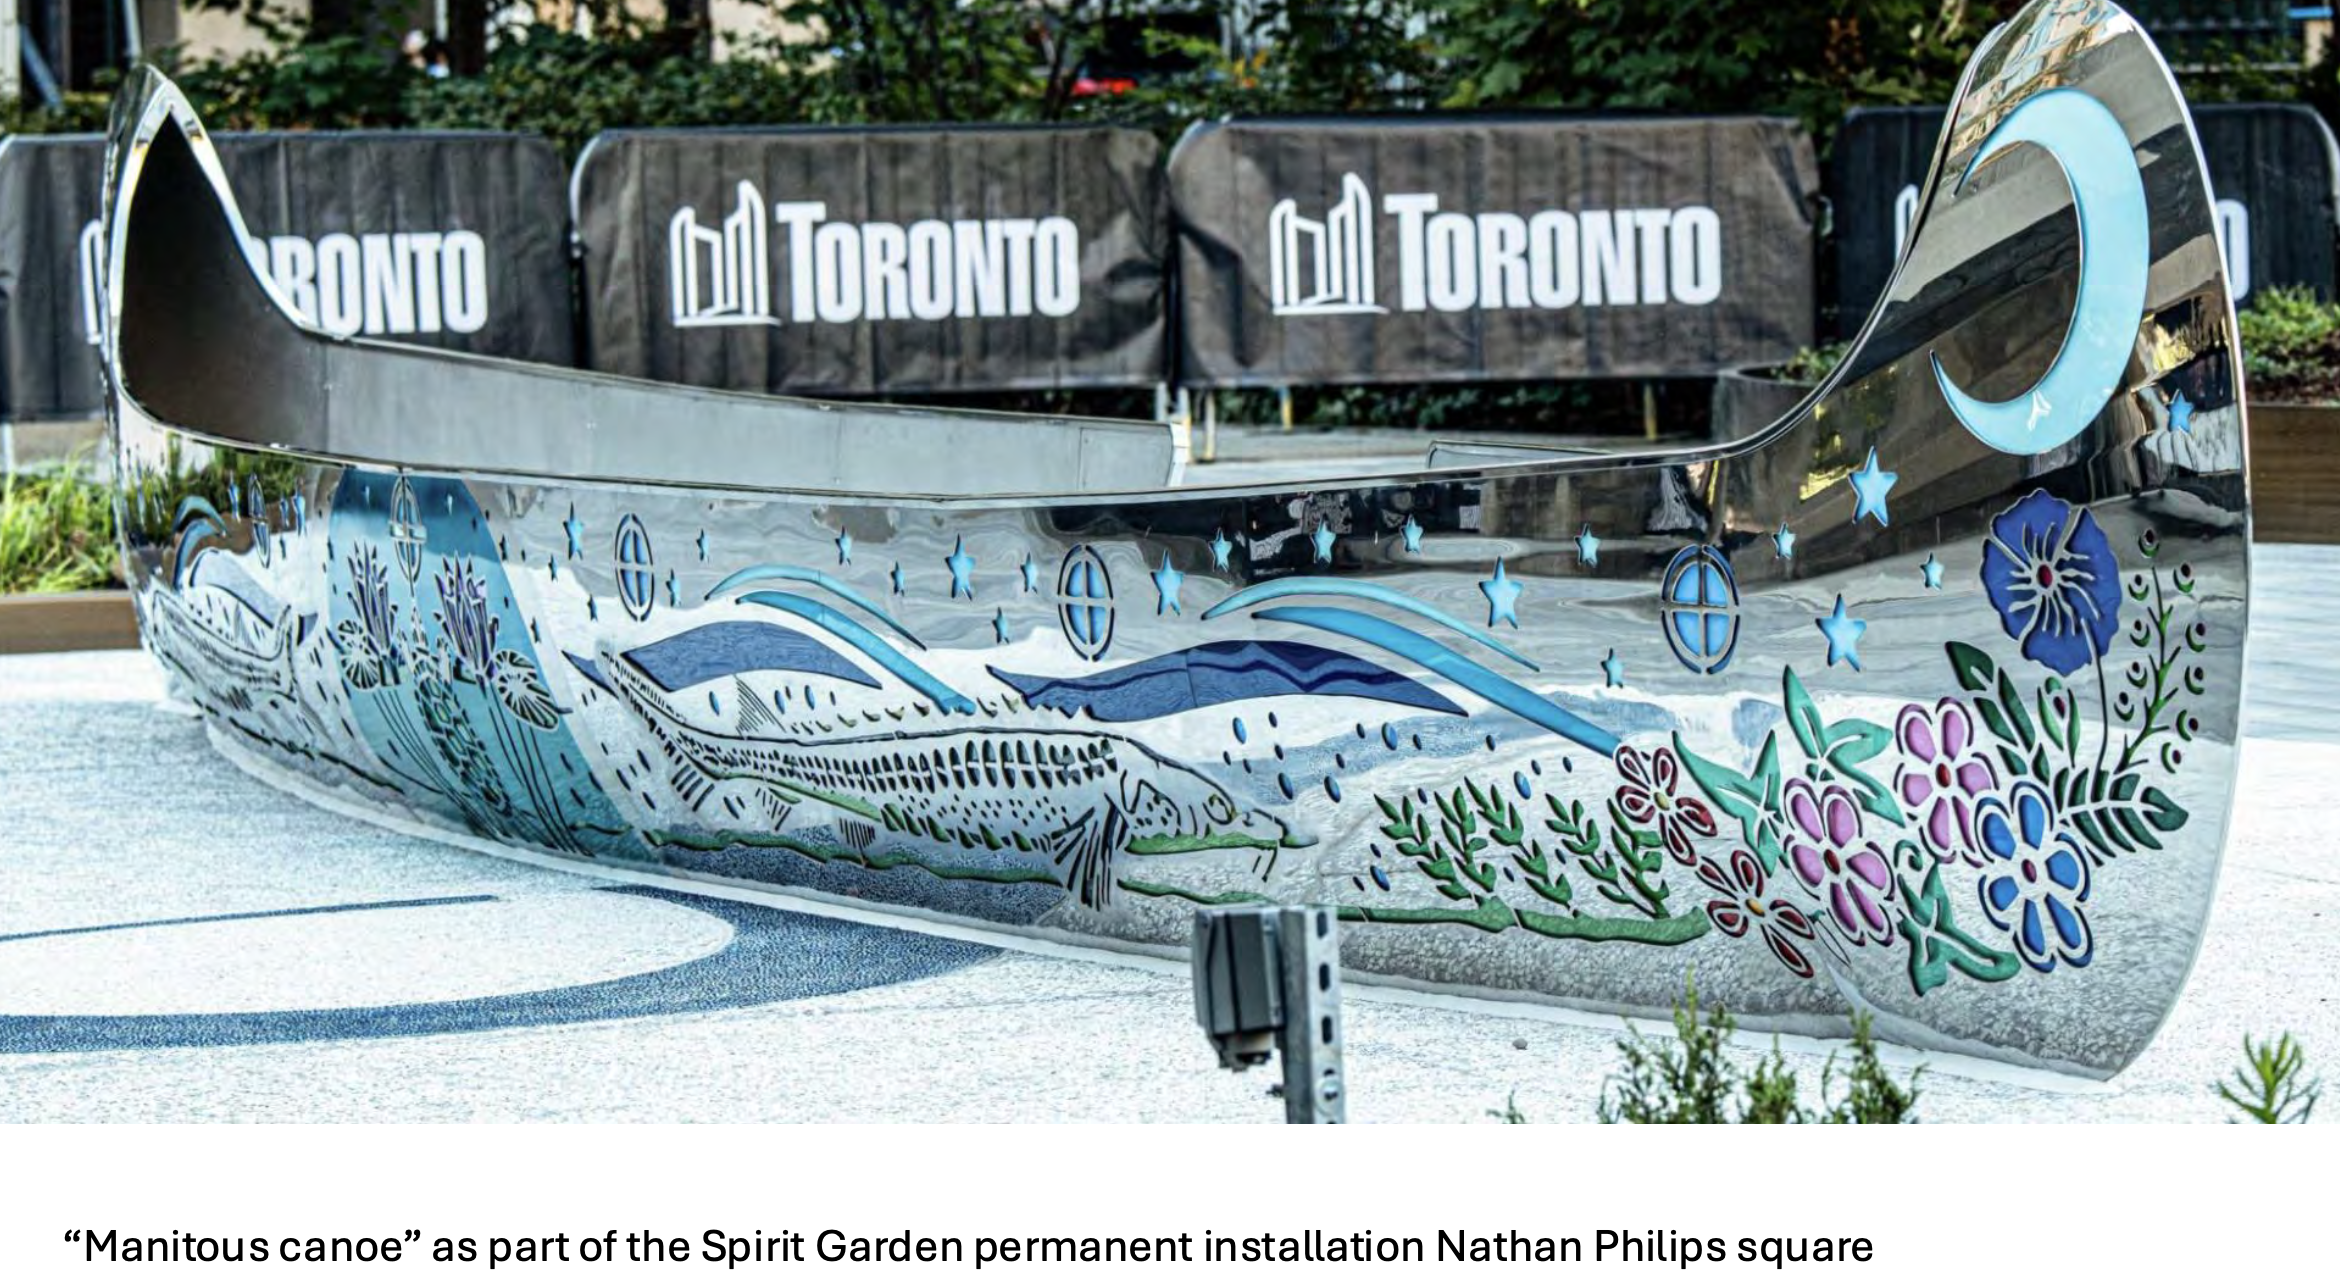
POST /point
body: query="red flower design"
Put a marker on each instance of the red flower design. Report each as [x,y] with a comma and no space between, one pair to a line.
[1782,924]
[1651,795]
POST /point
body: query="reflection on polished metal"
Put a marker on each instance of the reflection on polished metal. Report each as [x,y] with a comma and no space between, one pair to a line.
[1863,712]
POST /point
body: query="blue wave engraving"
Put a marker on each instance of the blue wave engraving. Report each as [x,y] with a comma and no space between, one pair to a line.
[1218,673]
[1447,663]
[739,646]
[869,644]
[1311,584]
[820,579]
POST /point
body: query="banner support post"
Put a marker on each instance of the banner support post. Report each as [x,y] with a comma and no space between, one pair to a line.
[1210,416]
[11,53]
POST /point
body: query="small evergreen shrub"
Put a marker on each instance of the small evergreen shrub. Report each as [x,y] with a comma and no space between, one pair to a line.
[1693,1079]
[2291,345]
[2271,1086]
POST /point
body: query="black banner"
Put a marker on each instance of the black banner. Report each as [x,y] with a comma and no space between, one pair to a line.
[1344,251]
[859,261]
[2273,169]
[450,240]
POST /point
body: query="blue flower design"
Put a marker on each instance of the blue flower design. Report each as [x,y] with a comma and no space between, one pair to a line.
[2050,572]
[2036,880]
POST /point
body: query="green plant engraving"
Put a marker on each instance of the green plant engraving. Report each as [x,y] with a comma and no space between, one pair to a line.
[1627,869]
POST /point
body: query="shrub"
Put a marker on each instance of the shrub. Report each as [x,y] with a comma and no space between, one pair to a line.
[57,532]
[1811,365]
[1694,1080]
[2268,1087]
[2291,345]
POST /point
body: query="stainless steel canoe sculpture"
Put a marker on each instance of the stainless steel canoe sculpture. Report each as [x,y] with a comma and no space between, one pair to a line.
[1922,701]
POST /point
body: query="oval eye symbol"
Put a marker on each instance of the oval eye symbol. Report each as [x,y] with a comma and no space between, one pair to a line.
[2099,166]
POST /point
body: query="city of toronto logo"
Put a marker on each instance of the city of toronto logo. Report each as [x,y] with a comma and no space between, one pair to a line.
[839,271]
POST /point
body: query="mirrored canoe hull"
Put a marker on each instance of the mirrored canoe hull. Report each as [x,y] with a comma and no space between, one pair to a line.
[1923,702]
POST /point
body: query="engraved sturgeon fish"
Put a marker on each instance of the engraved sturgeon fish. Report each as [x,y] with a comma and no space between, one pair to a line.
[218,663]
[1082,798]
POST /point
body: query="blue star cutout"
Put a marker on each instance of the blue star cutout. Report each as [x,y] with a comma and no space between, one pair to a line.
[962,571]
[1031,574]
[844,549]
[999,629]
[1870,483]
[2181,414]
[576,530]
[1588,546]
[897,578]
[673,590]
[552,566]
[1502,597]
[1613,670]
[1785,541]
[1323,539]
[702,546]
[1932,571]
[592,609]
[1220,547]
[1844,634]
[1412,532]
[1167,582]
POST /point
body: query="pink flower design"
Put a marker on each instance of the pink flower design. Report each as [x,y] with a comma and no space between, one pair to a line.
[1831,858]
[1947,773]
[1780,923]
[1651,795]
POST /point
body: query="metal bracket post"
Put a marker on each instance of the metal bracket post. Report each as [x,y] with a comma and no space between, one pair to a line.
[1309,939]
[1270,978]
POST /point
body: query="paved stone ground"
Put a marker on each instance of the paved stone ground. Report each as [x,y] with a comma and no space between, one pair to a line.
[146,885]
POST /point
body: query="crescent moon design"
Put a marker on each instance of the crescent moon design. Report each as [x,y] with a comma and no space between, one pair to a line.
[2108,201]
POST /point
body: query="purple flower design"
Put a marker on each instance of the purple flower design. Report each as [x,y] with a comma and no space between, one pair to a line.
[1946,774]
[467,622]
[1831,858]
[2049,571]
[369,597]
[367,644]
[2036,880]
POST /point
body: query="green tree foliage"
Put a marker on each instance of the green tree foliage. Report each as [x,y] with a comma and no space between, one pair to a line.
[1811,60]
[876,61]
[569,88]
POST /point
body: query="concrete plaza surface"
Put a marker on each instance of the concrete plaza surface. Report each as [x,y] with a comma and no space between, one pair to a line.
[180,942]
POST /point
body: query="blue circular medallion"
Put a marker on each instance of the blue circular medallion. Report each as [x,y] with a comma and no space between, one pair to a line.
[1084,602]
[637,574]
[1700,605]
[407,536]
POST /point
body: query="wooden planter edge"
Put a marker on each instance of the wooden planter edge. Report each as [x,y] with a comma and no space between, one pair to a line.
[99,620]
